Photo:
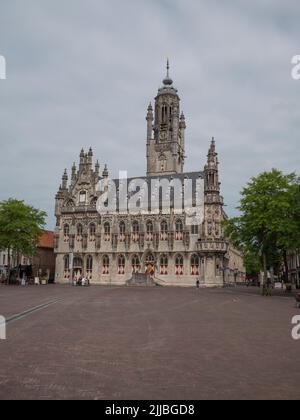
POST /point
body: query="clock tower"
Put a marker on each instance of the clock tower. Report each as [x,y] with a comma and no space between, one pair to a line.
[165,132]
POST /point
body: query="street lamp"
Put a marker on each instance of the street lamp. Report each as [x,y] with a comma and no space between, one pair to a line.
[71,266]
[236,272]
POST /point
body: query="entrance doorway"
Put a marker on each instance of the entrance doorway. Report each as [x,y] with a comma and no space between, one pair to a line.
[77,267]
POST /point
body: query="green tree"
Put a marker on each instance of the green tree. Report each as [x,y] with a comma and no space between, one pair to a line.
[20,227]
[269,224]
[252,262]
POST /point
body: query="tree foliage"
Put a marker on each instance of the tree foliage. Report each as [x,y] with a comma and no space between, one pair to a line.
[269,224]
[20,227]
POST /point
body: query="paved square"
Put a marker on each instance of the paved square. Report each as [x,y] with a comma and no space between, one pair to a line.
[156,343]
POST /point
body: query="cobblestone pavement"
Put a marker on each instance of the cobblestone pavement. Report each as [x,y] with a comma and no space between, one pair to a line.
[155,343]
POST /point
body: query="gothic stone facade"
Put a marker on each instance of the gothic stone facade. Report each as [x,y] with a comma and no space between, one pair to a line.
[109,248]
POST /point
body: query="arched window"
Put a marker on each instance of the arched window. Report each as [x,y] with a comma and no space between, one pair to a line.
[89,267]
[122,232]
[66,233]
[66,267]
[164,265]
[179,265]
[79,232]
[150,231]
[121,265]
[179,230]
[195,265]
[105,264]
[92,232]
[77,263]
[164,231]
[107,232]
[135,232]
[136,265]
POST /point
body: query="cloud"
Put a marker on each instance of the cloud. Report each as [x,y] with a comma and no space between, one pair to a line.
[81,74]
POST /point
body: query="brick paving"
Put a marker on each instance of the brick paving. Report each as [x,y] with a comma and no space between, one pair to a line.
[155,343]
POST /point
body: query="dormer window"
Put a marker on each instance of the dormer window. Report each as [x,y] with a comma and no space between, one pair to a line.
[82,197]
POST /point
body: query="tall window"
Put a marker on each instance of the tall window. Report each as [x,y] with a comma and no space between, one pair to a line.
[164,114]
[107,232]
[66,233]
[164,264]
[164,231]
[92,232]
[195,230]
[135,232]
[136,265]
[150,231]
[122,232]
[195,265]
[179,230]
[79,232]
[179,265]
[66,267]
[89,267]
[121,265]
[105,263]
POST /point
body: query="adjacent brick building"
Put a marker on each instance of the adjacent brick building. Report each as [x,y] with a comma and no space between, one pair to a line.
[43,263]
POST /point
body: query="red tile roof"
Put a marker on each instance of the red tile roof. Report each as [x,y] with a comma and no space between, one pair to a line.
[46,240]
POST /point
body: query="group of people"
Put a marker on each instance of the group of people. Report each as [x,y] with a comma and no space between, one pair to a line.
[81,281]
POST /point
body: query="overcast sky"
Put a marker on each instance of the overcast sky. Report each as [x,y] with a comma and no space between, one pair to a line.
[81,73]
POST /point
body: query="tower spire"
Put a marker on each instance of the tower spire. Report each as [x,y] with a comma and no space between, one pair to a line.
[168,81]
[165,131]
[64,184]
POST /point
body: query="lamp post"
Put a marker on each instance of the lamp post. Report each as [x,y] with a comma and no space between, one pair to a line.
[236,272]
[71,267]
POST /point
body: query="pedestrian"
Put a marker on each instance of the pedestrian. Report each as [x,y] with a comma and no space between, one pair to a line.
[198,284]
[23,281]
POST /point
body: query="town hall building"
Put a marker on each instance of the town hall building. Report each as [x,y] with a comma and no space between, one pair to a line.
[110,248]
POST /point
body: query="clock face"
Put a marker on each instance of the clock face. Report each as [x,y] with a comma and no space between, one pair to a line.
[163,135]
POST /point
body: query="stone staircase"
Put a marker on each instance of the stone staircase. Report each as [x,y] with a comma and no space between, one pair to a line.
[141,280]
